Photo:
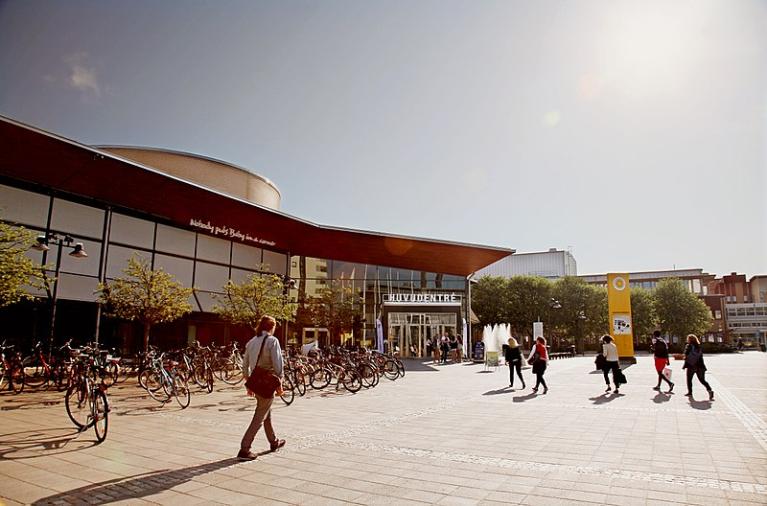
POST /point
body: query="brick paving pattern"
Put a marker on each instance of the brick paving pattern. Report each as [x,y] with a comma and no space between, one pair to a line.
[442,435]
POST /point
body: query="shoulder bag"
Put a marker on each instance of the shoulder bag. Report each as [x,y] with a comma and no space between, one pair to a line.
[262,382]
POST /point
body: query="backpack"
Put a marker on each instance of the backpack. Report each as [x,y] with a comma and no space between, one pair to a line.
[661,348]
[693,357]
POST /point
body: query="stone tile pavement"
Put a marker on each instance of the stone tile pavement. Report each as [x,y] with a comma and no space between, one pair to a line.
[442,435]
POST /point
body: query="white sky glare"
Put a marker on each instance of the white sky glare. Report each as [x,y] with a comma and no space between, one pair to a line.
[633,132]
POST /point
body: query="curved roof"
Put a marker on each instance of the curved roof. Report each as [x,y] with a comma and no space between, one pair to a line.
[62,165]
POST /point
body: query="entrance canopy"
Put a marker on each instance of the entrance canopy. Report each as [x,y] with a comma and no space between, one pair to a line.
[61,165]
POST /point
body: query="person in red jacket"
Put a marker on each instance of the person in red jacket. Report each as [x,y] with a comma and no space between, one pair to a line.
[538,358]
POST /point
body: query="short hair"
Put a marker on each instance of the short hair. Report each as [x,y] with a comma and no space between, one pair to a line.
[693,338]
[606,338]
[656,333]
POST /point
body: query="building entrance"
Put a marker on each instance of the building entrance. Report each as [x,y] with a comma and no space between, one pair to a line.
[410,331]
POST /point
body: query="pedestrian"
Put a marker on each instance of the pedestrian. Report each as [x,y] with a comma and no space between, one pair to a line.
[693,362]
[263,350]
[444,347]
[429,346]
[513,357]
[453,348]
[459,349]
[610,351]
[538,358]
[660,352]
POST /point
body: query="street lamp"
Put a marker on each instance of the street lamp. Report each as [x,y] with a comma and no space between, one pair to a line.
[78,251]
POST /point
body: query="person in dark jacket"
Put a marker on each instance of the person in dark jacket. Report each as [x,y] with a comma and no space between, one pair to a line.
[660,352]
[513,356]
[693,362]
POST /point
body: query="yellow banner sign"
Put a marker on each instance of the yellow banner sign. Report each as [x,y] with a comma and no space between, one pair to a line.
[619,309]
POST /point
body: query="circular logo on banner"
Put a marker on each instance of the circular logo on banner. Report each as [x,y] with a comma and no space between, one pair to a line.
[619,284]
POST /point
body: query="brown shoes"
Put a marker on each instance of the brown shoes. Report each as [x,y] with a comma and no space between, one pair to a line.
[247,455]
[277,444]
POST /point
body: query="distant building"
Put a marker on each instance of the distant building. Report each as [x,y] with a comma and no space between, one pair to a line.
[695,280]
[734,287]
[758,286]
[745,305]
[550,264]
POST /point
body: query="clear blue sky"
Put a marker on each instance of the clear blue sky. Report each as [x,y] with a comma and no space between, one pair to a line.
[633,132]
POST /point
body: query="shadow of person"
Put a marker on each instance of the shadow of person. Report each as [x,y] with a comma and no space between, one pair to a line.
[504,390]
[136,486]
[604,398]
[36,443]
[702,405]
[661,397]
[523,398]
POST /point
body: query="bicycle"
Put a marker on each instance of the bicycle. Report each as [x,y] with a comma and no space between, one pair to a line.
[86,400]
[11,369]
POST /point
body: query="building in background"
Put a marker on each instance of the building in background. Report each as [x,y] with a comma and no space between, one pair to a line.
[695,280]
[758,285]
[733,286]
[551,264]
[745,306]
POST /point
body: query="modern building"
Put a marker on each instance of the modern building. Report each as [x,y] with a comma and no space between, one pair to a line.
[695,280]
[745,306]
[758,285]
[550,264]
[733,286]
[206,222]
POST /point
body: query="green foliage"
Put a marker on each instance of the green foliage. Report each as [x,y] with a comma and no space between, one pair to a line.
[145,295]
[336,308]
[18,273]
[489,299]
[582,311]
[260,294]
[680,312]
[529,299]
[643,315]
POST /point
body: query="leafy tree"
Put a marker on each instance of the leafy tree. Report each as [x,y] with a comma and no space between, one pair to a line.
[337,307]
[145,295]
[529,299]
[582,309]
[643,314]
[679,311]
[490,300]
[18,273]
[260,294]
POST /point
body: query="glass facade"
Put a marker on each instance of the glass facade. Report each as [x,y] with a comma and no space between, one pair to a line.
[111,237]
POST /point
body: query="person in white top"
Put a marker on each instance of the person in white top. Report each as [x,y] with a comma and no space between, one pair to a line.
[270,359]
[610,352]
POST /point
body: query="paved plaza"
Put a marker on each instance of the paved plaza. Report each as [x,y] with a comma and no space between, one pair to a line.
[450,434]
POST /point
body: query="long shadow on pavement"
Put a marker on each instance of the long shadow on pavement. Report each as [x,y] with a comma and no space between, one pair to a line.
[133,487]
[523,398]
[605,398]
[36,443]
[702,405]
[504,390]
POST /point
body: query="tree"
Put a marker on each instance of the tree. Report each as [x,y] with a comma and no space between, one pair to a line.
[18,273]
[337,308]
[643,314]
[679,311]
[260,294]
[529,300]
[145,295]
[489,299]
[582,309]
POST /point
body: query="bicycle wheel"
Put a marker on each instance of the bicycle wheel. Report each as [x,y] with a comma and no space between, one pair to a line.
[288,394]
[77,404]
[232,372]
[391,371]
[300,382]
[111,371]
[400,368]
[99,414]
[156,387]
[368,376]
[351,381]
[209,380]
[17,379]
[320,379]
[34,371]
[181,390]
[2,374]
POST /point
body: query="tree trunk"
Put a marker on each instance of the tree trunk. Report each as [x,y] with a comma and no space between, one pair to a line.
[147,326]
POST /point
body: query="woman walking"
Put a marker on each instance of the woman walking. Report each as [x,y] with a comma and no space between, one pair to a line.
[660,352]
[693,362]
[538,358]
[610,352]
[513,357]
[263,350]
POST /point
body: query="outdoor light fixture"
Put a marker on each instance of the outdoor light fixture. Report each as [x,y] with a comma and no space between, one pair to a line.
[78,251]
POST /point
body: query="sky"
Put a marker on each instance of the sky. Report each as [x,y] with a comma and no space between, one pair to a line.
[633,134]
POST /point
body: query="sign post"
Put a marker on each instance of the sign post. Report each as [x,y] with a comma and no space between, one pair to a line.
[619,310]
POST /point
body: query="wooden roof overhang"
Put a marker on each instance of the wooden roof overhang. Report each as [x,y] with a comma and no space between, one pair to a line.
[65,166]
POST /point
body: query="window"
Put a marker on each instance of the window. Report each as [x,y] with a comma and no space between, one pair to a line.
[76,218]
[131,231]
[24,207]
[274,262]
[174,240]
[179,268]
[718,314]
[210,277]
[117,259]
[246,256]
[213,249]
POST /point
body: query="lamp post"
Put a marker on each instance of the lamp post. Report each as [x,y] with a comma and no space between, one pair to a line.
[287,284]
[41,244]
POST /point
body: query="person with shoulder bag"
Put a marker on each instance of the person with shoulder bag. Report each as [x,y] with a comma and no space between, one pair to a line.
[693,362]
[610,352]
[660,352]
[262,366]
[513,356]
[538,358]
